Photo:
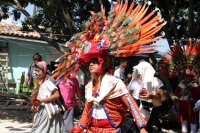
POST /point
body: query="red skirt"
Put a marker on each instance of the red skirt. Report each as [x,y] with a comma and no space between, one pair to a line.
[101,126]
[186,111]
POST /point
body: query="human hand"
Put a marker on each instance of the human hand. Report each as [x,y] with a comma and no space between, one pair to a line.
[33,108]
[184,92]
[80,104]
[129,76]
[76,129]
[145,96]
[36,102]
[143,130]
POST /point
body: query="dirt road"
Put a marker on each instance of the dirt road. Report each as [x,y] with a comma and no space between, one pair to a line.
[20,121]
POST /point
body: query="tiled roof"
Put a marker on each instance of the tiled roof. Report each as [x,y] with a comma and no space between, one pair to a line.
[10,29]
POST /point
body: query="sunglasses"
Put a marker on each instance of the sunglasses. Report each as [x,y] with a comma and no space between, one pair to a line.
[94,61]
[36,59]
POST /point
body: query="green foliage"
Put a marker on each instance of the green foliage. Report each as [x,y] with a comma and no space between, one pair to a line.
[52,14]
[3,12]
[34,11]
[60,15]
[181,23]
[16,14]
[49,13]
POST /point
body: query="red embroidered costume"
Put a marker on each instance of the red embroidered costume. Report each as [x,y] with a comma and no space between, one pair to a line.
[184,61]
[187,102]
[115,110]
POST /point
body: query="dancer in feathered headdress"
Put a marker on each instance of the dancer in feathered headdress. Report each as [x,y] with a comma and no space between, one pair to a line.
[184,61]
[181,60]
[125,32]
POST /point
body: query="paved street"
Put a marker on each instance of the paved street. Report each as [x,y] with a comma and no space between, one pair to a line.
[19,121]
[10,126]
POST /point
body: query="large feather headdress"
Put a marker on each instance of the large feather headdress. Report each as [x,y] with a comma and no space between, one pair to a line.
[125,32]
[182,60]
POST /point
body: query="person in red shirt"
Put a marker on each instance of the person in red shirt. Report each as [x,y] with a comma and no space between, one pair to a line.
[188,92]
[183,61]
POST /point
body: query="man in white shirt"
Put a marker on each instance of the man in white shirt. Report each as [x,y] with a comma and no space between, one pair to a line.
[134,88]
[119,72]
[151,95]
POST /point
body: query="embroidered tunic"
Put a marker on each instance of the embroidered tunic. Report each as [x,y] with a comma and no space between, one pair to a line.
[187,102]
[115,105]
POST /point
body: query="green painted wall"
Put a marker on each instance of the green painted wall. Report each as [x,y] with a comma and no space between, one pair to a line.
[20,56]
[20,53]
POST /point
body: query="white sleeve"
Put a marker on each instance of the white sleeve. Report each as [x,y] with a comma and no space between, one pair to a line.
[51,86]
[181,85]
[157,83]
[129,85]
[117,73]
[197,105]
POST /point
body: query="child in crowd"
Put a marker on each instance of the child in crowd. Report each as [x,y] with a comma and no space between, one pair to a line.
[47,118]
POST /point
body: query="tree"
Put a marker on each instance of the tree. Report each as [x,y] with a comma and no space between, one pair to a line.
[65,17]
[58,15]
[34,11]
[183,17]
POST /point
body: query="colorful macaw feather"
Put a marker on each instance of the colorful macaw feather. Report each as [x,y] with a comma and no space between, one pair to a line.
[180,59]
[127,30]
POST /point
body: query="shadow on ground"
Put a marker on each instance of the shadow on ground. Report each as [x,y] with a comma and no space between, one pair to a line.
[16,115]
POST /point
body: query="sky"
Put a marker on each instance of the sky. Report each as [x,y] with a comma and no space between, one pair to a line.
[163,44]
[29,8]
